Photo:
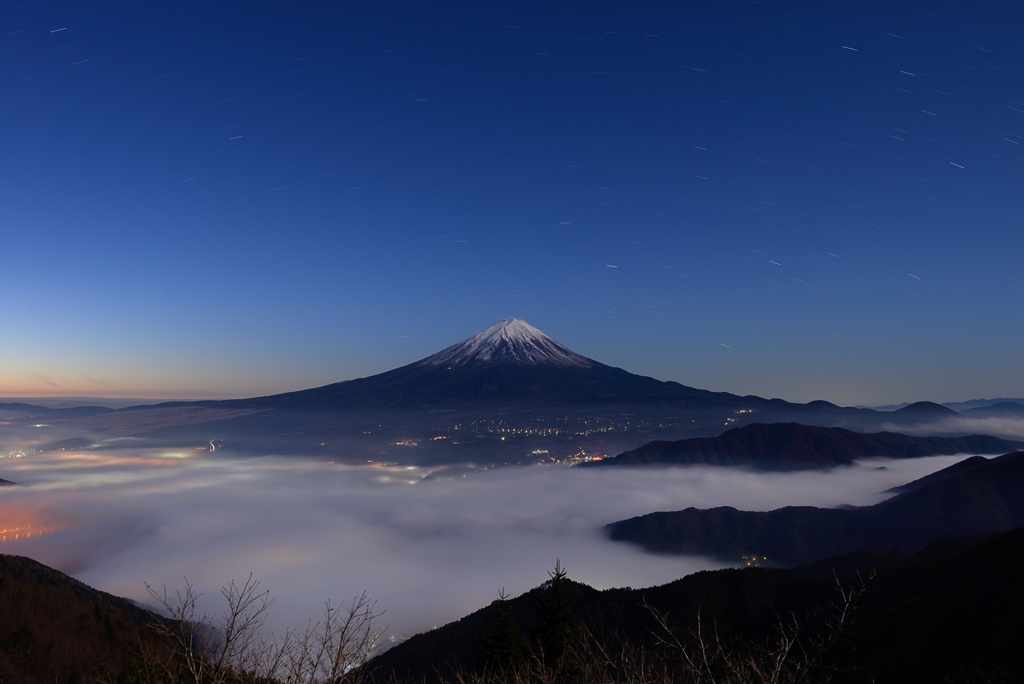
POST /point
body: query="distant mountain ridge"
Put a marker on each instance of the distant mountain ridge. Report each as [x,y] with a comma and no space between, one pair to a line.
[792,446]
[1003,409]
[922,410]
[959,406]
[981,403]
[985,498]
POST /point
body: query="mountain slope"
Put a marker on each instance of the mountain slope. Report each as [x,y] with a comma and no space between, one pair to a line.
[509,361]
[943,474]
[986,498]
[922,411]
[791,446]
[54,628]
[940,616]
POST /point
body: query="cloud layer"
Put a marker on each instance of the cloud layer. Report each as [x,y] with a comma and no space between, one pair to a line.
[429,546]
[1007,428]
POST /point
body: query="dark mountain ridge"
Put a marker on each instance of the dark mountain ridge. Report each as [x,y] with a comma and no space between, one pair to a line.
[949,612]
[53,628]
[923,410]
[944,613]
[943,474]
[983,499]
[69,412]
[963,406]
[791,446]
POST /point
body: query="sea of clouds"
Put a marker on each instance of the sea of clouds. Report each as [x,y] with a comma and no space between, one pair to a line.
[429,546]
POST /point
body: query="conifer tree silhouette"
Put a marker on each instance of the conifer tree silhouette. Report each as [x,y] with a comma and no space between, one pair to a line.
[503,645]
[559,625]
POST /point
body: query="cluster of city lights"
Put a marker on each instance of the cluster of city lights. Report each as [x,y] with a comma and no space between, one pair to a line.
[23,533]
[20,453]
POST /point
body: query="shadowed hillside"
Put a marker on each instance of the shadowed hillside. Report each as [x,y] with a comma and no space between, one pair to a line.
[55,629]
[791,446]
[982,499]
[950,611]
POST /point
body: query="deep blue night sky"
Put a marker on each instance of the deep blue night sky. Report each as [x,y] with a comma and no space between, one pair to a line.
[796,199]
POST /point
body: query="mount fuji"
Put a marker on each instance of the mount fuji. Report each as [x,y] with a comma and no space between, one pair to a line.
[509,384]
[508,362]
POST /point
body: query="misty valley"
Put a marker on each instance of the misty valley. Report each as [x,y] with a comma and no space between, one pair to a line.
[465,477]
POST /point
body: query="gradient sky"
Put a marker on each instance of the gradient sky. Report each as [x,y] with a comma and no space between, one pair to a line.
[795,199]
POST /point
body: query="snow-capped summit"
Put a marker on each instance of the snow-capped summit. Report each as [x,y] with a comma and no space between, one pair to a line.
[509,341]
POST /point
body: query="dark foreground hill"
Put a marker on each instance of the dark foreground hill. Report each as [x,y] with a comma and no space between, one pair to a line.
[791,446]
[983,499]
[950,613]
[56,629]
